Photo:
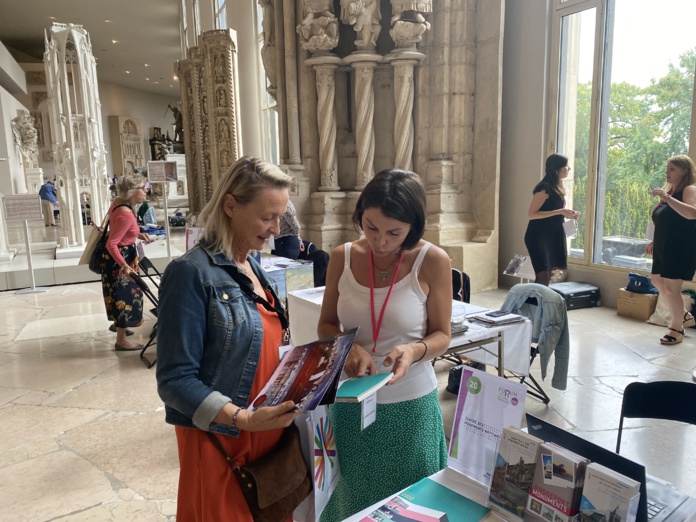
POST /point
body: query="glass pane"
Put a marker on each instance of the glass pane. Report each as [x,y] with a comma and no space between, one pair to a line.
[646,118]
[575,89]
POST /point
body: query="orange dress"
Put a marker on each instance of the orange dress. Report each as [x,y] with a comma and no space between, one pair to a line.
[208,489]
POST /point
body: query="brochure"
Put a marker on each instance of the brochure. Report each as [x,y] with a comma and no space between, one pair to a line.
[308,375]
[356,389]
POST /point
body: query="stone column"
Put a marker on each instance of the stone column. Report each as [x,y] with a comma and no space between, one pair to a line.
[404,64]
[291,98]
[325,69]
[364,65]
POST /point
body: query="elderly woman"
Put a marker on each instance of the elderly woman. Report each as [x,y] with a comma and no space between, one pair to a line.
[122,297]
[220,327]
[397,288]
[674,245]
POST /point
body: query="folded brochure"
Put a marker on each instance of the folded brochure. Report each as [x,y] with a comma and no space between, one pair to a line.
[357,388]
[309,374]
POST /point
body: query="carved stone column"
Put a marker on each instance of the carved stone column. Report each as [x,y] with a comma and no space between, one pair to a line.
[404,64]
[364,65]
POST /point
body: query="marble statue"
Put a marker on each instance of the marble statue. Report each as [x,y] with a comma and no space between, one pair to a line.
[319,28]
[26,137]
[269,48]
[364,16]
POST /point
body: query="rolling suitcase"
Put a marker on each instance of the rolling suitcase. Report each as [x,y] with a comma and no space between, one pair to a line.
[578,295]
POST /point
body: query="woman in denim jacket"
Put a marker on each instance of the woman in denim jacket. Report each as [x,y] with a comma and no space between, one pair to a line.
[216,347]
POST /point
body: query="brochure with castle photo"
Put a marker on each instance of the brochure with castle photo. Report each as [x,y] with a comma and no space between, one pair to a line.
[608,495]
[308,375]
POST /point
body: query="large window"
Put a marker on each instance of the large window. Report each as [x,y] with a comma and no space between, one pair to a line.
[268,108]
[220,10]
[625,85]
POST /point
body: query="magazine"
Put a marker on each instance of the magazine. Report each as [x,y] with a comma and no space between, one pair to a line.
[308,375]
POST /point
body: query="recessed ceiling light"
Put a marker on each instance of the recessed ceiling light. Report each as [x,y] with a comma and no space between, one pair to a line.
[127,72]
[52,18]
[175,77]
[114,41]
[171,86]
[155,82]
[107,21]
[147,79]
[146,64]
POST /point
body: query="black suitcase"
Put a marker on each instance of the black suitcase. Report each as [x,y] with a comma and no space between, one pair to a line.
[578,295]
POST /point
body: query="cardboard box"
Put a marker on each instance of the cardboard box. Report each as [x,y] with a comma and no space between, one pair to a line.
[636,306]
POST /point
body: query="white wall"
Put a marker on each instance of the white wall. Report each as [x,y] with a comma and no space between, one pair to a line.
[148,108]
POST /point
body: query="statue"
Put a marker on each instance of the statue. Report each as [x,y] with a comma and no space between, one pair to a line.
[178,124]
[364,16]
[268,49]
[408,24]
[400,6]
[26,137]
[319,29]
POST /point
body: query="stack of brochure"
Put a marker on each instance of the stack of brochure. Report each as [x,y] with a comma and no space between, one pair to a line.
[495,318]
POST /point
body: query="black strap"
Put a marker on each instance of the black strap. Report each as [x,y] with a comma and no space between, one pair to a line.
[219,447]
[275,307]
[106,227]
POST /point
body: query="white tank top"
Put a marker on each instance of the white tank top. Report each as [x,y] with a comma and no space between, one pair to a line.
[405,321]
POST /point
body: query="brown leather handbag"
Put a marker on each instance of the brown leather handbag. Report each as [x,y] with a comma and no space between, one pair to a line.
[278,482]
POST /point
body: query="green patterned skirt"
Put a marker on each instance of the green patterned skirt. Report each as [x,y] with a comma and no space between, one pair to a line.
[405,444]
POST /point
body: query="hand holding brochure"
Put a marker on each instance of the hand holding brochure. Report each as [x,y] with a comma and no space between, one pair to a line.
[308,375]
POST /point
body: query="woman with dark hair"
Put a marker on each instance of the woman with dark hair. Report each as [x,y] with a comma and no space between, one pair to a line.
[674,245]
[545,237]
[397,288]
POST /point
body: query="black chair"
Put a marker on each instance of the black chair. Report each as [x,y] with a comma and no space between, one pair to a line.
[153,334]
[461,286]
[668,400]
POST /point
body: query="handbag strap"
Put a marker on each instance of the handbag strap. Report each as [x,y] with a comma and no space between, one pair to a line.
[105,226]
[275,307]
[218,445]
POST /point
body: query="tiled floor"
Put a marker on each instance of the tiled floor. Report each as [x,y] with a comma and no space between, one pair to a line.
[82,431]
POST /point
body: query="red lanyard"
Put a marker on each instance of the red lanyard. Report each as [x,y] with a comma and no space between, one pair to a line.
[377,327]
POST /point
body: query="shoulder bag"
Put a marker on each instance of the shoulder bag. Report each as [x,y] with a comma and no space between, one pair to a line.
[278,482]
[100,245]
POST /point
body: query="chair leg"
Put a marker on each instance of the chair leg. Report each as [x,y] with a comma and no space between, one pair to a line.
[151,342]
[535,389]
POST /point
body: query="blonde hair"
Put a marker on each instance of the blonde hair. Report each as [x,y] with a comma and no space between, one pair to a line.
[127,183]
[243,180]
[686,163]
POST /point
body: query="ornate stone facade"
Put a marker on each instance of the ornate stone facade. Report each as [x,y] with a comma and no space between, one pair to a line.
[75,116]
[398,90]
[209,85]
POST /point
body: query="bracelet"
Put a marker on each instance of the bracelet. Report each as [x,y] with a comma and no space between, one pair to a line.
[424,352]
[234,418]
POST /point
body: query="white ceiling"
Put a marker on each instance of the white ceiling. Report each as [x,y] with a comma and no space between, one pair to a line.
[146,32]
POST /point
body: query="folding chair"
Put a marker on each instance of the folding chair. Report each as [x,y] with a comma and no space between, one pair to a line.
[667,400]
[153,335]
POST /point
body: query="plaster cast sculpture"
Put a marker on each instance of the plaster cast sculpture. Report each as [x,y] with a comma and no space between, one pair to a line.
[319,28]
[26,137]
[407,34]
[401,6]
[269,47]
[364,16]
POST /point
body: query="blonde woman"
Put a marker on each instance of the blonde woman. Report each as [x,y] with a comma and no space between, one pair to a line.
[674,245]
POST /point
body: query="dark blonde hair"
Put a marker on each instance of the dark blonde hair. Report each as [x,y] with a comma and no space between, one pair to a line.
[243,180]
[686,163]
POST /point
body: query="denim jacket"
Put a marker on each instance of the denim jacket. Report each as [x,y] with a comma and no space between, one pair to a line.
[209,337]
[549,324]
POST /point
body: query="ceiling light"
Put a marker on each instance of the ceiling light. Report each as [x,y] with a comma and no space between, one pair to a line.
[146,64]
[156,83]
[107,21]
[52,18]
[147,79]
[127,72]
[114,41]
[175,77]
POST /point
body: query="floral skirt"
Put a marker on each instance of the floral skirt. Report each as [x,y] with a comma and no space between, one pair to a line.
[122,297]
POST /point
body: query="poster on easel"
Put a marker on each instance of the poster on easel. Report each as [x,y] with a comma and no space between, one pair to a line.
[486,405]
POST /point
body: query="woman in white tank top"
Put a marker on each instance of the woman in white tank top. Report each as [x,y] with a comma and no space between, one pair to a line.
[397,288]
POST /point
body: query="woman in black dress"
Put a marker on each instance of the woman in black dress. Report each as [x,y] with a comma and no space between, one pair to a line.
[674,245]
[545,237]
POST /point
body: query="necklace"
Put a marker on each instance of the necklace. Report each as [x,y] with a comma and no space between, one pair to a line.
[384,273]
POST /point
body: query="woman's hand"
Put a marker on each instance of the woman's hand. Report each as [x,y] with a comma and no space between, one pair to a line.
[569,213]
[649,248]
[661,193]
[359,363]
[127,271]
[267,417]
[401,358]
[145,237]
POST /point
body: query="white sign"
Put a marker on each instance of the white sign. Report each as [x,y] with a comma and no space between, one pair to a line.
[162,171]
[486,404]
[23,206]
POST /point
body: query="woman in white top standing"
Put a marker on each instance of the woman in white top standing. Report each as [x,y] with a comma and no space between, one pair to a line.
[397,288]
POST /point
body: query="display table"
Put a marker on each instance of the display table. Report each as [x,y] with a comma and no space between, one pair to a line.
[506,347]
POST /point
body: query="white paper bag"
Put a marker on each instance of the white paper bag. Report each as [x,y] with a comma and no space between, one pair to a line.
[319,449]
[570,228]
[650,231]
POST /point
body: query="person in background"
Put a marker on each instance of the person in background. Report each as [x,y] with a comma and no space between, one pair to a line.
[287,242]
[674,245]
[47,193]
[398,289]
[545,238]
[122,297]
[216,347]
[146,215]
